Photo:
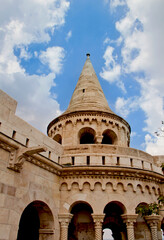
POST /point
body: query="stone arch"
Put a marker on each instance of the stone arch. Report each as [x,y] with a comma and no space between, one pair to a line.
[140,188]
[81,225]
[86,186]
[86,135]
[64,186]
[36,222]
[113,220]
[147,189]
[75,186]
[120,187]
[58,138]
[109,137]
[98,186]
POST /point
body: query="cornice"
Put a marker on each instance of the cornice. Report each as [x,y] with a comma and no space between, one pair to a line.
[111,172]
[88,113]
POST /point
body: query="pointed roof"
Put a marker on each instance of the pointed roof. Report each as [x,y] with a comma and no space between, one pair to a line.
[88,94]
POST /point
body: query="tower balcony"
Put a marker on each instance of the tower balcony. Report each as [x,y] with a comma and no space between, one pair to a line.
[108,155]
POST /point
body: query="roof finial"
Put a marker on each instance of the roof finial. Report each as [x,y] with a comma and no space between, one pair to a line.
[88,55]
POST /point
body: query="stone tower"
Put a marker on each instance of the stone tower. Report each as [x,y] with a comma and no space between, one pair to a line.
[88,118]
[81,179]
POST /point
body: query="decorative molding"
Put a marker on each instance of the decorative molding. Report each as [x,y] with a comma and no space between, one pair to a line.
[103,182]
[90,113]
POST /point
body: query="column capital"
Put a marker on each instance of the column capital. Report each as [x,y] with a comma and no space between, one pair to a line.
[98,218]
[65,218]
[152,220]
[129,219]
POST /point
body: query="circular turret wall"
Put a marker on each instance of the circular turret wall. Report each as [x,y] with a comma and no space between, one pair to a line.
[90,128]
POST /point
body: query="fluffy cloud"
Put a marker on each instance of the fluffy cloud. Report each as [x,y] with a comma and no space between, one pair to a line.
[111,72]
[143,35]
[21,24]
[53,56]
[125,106]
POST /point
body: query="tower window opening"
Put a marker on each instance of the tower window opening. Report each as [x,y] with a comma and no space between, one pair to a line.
[88,160]
[27,142]
[49,154]
[87,136]
[142,162]
[131,162]
[118,161]
[73,160]
[58,138]
[103,160]
[83,90]
[59,160]
[109,137]
[14,134]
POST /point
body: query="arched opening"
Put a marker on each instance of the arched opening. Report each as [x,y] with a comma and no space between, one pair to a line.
[87,136]
[58,138]
[141,229]
[113,221]
[36,222]
[81,225]
[109,137]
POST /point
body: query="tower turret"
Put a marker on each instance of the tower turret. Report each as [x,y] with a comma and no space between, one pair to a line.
[88,118]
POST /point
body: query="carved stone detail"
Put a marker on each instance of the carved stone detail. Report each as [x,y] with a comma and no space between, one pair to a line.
[18,157]
[153,221]
[98,220]
[130,219]
[64,220]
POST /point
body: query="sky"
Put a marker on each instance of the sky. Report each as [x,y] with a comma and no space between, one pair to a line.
[43,46]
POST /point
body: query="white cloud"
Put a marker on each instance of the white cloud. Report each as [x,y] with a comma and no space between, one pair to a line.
[111,72]
[21,24]
[53,56]
[69,35]
[154,145]
[125,106]
[142,51]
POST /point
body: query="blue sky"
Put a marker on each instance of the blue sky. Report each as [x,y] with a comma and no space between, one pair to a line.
[43,46]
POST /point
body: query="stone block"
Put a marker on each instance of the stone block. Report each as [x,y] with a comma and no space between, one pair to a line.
[4,231]
[4,215]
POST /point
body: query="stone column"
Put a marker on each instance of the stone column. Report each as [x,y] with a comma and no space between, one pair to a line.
[98,220]
[64,220]
[130,219]
[153,221]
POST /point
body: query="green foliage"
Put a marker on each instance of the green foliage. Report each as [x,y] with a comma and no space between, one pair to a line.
[162,166]
[152,208]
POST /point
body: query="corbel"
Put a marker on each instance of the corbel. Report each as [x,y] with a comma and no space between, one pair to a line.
[18,157]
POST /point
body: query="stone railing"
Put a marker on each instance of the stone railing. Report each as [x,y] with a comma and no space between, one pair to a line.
[108,155]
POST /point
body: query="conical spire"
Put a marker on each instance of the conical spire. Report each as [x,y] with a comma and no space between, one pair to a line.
[88,94]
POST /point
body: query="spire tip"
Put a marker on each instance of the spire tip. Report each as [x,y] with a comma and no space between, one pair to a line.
[88,55]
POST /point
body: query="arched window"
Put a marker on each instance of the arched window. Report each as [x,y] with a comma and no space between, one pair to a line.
[58,138]
[109,137]
[87,136]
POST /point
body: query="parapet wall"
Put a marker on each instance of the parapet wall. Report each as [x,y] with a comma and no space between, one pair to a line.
[110,155]
[23,133]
